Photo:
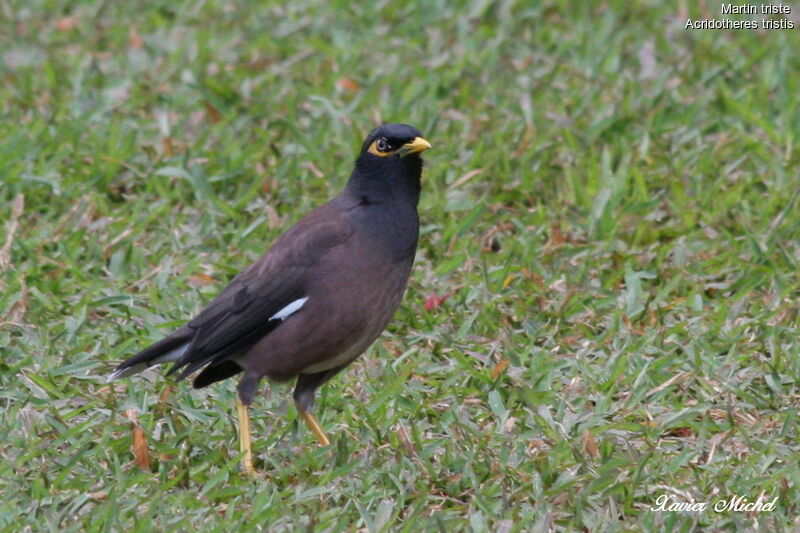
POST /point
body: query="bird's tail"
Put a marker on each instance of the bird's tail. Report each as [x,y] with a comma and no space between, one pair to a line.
[167,350]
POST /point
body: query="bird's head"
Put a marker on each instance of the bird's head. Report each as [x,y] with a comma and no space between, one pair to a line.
[390,160]
[394,141]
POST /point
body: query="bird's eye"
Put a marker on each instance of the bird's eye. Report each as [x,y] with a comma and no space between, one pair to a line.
[382,145]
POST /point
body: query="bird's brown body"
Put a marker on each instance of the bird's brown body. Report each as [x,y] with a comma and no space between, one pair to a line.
[319,344]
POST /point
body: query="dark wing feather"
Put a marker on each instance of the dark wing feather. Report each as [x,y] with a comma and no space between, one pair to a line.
[240,316]
[226,327]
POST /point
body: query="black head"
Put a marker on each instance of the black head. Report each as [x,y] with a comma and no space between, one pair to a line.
[389,165]
[394,140]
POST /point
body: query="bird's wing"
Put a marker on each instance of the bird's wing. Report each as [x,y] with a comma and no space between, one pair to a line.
[264,295]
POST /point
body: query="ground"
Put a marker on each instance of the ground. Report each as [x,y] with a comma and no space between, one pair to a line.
[603,311]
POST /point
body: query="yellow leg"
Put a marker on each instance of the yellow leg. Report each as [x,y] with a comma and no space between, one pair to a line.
[244,438]
[315,429]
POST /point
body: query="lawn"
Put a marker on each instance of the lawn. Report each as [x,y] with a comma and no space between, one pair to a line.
[609,257]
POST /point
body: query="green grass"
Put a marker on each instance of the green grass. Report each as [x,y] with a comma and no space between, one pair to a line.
[611,204]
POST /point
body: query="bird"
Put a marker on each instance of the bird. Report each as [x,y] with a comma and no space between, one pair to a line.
[318,298]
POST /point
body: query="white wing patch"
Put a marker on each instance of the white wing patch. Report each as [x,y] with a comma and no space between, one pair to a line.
[289,310]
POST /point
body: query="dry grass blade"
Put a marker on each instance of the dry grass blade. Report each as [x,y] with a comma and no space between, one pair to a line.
[141,455]
[13,225]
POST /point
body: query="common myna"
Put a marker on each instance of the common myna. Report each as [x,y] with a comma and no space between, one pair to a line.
[319,297]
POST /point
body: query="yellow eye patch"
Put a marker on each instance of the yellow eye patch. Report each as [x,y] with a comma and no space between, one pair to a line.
[381,147]
[373,149]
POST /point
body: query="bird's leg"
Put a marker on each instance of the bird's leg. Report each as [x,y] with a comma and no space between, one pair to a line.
[304,398]
[245,445]
[322,438]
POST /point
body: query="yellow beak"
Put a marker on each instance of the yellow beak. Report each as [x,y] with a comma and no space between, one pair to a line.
[414,147]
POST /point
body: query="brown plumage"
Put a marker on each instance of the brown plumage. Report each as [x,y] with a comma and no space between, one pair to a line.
[322,293]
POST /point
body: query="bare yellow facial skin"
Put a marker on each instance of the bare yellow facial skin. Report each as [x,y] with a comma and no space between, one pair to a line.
[418,144]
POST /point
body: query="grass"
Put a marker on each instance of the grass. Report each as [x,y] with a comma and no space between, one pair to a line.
[611,205]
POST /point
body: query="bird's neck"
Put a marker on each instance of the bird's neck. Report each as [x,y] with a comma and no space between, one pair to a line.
[395,182]
[394,228]
[385,208]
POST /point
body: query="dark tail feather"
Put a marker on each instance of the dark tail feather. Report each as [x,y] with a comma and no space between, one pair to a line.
[216,372]
[166,350]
